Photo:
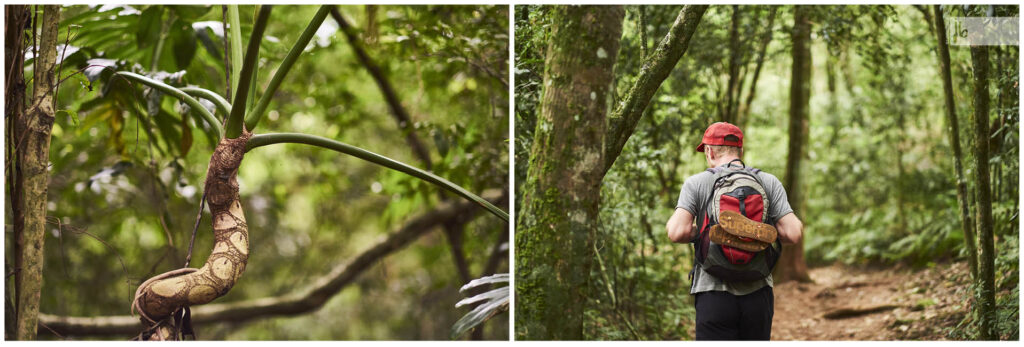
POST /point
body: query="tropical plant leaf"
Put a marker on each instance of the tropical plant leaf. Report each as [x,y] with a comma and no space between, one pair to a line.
[148,28]
[496,278]
[489,304]
[203,30]
[184,42]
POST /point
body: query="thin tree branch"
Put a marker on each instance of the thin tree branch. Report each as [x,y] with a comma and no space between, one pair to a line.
[305,301]
[395,105]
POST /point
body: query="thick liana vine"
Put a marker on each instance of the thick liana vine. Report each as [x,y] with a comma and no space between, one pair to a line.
[159,297]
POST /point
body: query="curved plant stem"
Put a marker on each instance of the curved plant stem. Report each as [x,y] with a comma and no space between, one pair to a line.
[177,93]
[245,77]
[222,104]
[257,113]
[236,48]
[313,140]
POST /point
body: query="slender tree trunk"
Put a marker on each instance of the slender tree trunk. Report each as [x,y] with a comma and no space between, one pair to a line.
[654,71]
[558,221]
[744,110]
[792,266]
[33,160]
[987,301]
[954,141]
[16,19]
[729,111]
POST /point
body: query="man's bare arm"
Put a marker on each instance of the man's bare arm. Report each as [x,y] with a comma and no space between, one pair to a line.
[680,226]
[791,230]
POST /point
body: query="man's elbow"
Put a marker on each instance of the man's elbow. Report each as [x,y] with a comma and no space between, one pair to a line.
[678,233]
[796,232]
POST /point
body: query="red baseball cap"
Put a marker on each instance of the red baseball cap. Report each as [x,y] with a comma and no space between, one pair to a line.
[721,134]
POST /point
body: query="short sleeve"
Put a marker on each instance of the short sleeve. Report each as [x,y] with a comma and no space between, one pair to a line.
[779,200]
[687,196]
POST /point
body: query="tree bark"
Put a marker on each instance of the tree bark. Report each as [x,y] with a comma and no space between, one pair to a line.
[986,299]
[954,140]
[304,301]
[792,266]
[33,151]
[558,221]
[16,19]
[654,71]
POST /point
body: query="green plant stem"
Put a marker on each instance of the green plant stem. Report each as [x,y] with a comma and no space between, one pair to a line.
[245,77]
[204,114]
[256,114]
[222,104]
[236,48]
[261,140]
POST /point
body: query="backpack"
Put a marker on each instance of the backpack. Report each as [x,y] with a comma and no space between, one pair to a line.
[740,190]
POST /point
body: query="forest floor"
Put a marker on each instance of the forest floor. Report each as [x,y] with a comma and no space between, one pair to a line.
[872,303]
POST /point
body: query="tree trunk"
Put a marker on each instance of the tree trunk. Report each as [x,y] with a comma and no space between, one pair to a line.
[954,141]
[558,220]
[17,18]
[986,301]
[744,110]
[33,151]
[654,71]
[732,88]
[792,266]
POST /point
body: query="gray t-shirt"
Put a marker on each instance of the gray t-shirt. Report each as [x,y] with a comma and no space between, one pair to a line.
[693,197]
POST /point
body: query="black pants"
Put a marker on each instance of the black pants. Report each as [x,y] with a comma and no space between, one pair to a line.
[723,316]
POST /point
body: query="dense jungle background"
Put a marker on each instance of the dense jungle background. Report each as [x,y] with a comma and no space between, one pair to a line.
[127,165]
[845,104]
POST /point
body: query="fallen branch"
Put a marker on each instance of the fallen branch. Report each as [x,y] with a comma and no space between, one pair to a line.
[850,312]
[287,305]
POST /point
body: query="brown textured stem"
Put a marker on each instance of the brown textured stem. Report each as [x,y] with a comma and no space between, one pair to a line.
[33,153]
[157,298]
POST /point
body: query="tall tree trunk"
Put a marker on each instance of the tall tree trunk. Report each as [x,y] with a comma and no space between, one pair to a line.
[729,111]
[33,151]
[792,266]
[17,18]
[744,110]
[654,71]
[987,301]
[558,221]
[954,141]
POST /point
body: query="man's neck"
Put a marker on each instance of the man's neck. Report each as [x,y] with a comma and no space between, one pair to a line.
[723,160]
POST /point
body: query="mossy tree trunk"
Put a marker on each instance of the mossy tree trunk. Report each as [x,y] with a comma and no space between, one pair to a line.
[792,266]
[986,269]
[32,146]
[558,220]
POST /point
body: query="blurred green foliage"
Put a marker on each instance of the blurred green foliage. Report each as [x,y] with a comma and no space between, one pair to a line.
[879,175]
[128,165]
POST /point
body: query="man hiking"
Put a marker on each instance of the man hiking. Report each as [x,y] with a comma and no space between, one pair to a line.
[742,215]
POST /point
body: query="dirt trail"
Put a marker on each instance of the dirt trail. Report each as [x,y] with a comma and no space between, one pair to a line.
[927,302]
